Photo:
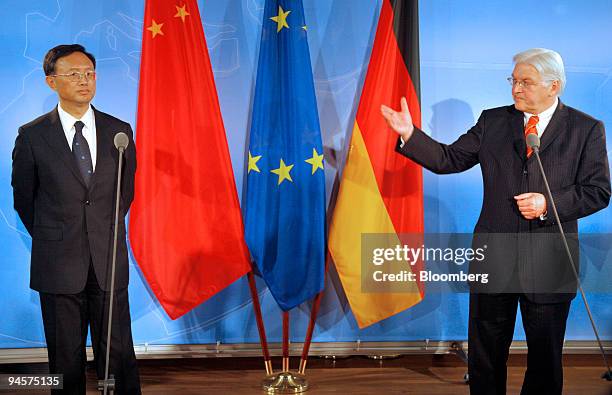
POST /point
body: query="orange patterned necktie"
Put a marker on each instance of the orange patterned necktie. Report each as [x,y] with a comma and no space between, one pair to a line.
[530,128]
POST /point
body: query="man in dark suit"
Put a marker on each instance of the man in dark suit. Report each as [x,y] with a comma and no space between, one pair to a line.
[64,186]
[573,152]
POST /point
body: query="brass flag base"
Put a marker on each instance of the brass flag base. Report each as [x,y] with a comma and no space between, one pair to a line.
[285,383]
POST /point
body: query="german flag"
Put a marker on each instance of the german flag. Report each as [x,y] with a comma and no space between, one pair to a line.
[380,191]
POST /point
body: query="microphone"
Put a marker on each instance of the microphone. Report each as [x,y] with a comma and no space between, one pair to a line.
[107,385]
[533,141]
[121,141]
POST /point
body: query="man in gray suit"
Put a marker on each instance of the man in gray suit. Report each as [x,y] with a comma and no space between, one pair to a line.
[573,152]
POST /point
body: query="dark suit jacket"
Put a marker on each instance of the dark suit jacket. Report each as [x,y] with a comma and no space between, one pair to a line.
[71,224]
[573,153]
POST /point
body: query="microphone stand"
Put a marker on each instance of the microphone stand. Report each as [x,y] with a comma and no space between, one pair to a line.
[107,385]
[534,143]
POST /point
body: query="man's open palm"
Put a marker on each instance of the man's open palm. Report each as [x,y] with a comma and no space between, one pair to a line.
[400,121]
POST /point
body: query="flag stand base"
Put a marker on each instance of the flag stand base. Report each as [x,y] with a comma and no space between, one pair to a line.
[285,383]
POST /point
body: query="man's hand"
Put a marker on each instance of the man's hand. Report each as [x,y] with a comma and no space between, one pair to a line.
[531,204]
[400,121]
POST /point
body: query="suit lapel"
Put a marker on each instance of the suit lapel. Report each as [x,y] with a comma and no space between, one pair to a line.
[56,138]
[555,127]
[517,129]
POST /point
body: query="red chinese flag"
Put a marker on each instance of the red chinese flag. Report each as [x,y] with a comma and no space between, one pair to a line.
[186,227]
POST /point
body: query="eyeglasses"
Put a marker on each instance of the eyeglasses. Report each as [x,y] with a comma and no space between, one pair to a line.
[524,83]
[75,76]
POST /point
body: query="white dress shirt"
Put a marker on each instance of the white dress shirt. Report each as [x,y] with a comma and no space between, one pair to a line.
[89,131]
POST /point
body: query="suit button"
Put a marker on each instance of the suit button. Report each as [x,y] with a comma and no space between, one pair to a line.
[87,202]
[524,172]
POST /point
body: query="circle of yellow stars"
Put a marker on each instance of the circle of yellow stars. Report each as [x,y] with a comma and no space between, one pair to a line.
[283,171]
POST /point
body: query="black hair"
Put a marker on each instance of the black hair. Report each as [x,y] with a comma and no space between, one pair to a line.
[59,52]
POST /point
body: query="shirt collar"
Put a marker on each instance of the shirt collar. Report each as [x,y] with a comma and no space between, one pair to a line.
[546,114]
[68,120]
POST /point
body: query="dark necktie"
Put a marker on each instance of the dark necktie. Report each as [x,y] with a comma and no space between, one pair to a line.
[81,152]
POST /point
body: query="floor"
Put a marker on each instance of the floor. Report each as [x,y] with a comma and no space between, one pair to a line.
[418,374]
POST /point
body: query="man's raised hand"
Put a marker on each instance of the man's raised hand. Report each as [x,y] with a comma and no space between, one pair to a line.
[399,121]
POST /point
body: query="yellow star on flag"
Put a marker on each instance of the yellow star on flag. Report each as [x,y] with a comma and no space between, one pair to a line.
[283,172]
[253,163]
[316,161]
[155,28]
[281,19]
[181,12]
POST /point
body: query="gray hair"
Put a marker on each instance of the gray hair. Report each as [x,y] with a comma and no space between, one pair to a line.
[548,63]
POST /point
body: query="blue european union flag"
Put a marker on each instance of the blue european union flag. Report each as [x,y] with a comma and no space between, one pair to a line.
[285,198]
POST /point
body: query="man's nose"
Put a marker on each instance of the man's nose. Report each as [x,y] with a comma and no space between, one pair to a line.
[84,80]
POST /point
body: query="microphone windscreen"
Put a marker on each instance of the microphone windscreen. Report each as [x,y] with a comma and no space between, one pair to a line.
[533,141]
[121,140]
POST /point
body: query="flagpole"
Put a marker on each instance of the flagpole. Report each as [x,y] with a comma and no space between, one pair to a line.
[311,325]
[285,341]
[260,324]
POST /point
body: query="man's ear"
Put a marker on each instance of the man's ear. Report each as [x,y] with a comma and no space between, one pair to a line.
[51,82]
[555,87]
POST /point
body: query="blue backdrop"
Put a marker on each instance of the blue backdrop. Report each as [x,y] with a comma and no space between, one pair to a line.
[466,52]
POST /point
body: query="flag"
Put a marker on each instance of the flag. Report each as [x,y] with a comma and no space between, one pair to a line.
[380,191]
[186,227]
[285,198]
